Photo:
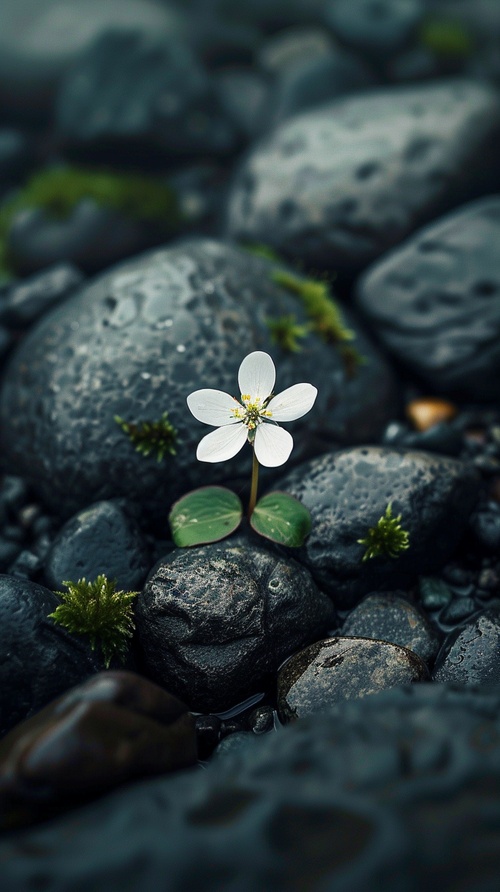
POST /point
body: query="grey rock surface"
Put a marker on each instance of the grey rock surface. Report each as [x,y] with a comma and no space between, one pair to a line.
[134,343]
[343,668]
[434,302]
[103,539]
[214,623]
[471,654]
[26,301]
[395,792]
[340,185]
[376,27]
[348,491]
[40,660]
[392,617]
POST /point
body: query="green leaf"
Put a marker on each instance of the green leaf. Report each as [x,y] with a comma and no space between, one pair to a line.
[205,515]
[281,518]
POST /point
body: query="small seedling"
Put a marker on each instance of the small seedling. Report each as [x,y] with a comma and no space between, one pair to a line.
[386,538]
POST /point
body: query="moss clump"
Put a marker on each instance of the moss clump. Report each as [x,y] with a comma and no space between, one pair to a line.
[286,332]
[96,609]
[264,251]
[386,538]
[324,314]
[59,190]
[446,38]
[158,437]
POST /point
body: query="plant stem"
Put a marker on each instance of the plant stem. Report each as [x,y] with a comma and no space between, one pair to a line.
[253,487]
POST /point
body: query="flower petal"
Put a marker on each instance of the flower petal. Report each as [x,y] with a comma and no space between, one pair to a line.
[257,375]
[213,407]
[292,403]
[223,443]
[272,445]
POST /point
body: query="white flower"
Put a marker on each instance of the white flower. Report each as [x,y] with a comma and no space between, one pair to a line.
[254,418]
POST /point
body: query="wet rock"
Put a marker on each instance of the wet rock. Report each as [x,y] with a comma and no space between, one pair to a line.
[334,801]
[134,343]
[28,300]
[40,660]
[435,302]
[214,623]
[374,27]
[112,729]
[261,719]
[103,539]
[141,96]
[40,41]
[340,185]
[485,527]
[341,669]
[391,617]
[348,491]
[470,655]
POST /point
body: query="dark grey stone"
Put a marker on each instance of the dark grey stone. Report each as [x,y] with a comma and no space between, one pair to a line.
[40,660]
[392,617]
[15,156]
[135,342]
[395,792]
[28,300]
[243,94]
[435,302]
[343,668]
[375,27]
[288,48]
[348,491]
[92,237]
[340,185]
[471,654]
[214,623]
[485,527]
[102,539]
[141,95]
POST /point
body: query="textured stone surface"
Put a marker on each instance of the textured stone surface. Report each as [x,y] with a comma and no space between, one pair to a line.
[395,792]
[214,623]
[134,343]
[103,539]
[392,617]
[348,491]
[132,92]
[377,27]
[435,302]
[28,300]
[340,185]
[342,668]
[39,659]
[471,654]
[116,727]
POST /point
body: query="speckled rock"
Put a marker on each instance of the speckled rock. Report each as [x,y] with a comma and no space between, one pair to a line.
[349,800]
[104,538]
[134,343]
[26,301]
[214,623]
[139,95]
[435,302]
[471,654]
[342,668]
[392,617]
[40,660]
[340,185]
[375,27]
[348,491]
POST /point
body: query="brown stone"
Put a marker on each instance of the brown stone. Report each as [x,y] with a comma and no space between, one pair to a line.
[114,728]
[428,411]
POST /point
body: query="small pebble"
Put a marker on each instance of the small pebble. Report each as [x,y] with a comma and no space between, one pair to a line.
[434,593]
[426,412]
[459,609]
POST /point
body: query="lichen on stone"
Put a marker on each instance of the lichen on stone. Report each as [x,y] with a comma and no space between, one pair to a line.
[286,332]
[148,437]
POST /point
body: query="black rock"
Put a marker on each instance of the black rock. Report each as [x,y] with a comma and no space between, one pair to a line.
[391,617]
[396,792]
[134,343]
[135,96]
[471,654]
[214,623]
[28,300]
[375,27]
[15,156]
[485,527]
[348,491]
[261,719]
[435,302]
[102,539]
[343,668]
[208,729]
[340,185]
[40,660]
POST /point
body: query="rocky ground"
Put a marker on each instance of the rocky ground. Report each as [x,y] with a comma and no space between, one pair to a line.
[182,184]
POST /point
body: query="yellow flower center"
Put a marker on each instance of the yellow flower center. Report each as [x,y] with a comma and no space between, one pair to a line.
[252,412]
